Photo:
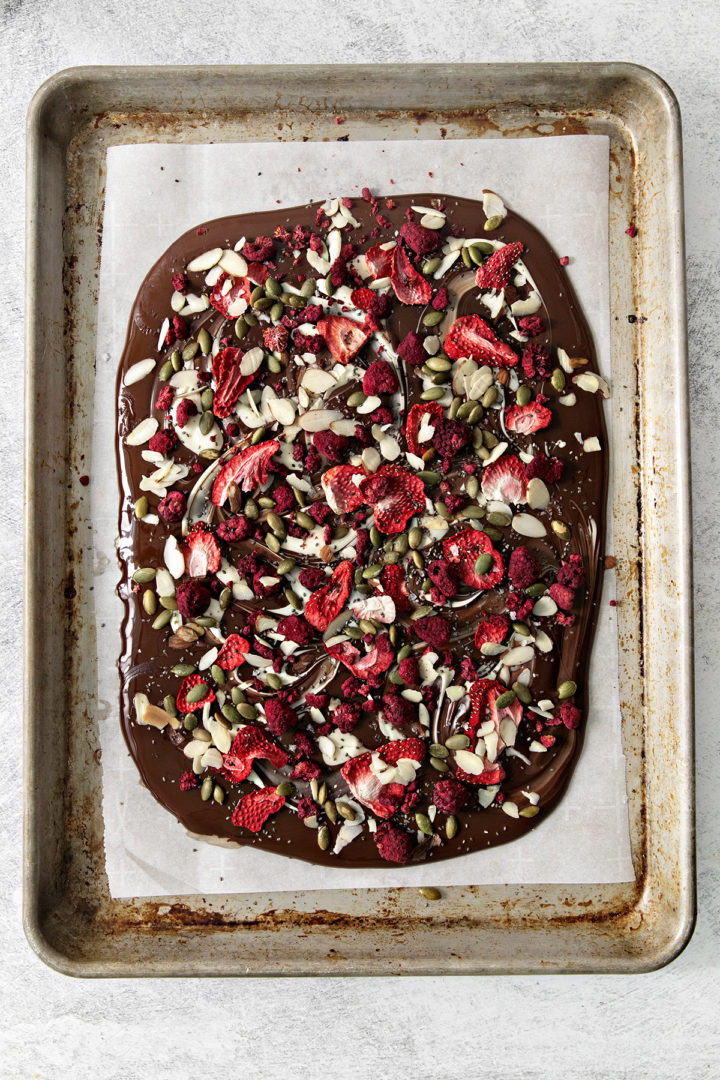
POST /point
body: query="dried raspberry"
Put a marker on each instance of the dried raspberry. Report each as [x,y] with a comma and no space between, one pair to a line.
[440,300]
[519,606]
[410,671]
[563,596]
[306,808]
[548,469]
[172,507]
[164,442]
[410,801]
[192,598]
[531,325]
[188,781]
[248,565]
[631,231]
[347,716]
[523,568]
[295,628]
[450,795]
[180,327]
[275,338]
[260,250]
[454,502]
[450,437]
[572,572]
[312,577]
[234,529]
[536,362]
[380,378]
[284,499]
[253,809]
[442,575]
[266,582]
[329,444]
[398,711]
[312,313]
[570,715]
[165,398]
[419,239]
[280,716]
[434,630]
[185,409]
[564,620]
[411,350]
[312,460]
[304,344]
[300,237]
[393,843]
[381,416]
[180,283]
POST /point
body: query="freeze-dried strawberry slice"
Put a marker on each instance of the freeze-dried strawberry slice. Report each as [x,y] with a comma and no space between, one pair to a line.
[491,774]
[379,261]
[470,336]
[201,551]
[525,419]
[246,469]
[251,742]
[462,550]
[483,697]
[496,271]
[369,667]
[505,480]
[326,604]
[403,748]
[392,580]
[222,301]
[230,382]
[423,413]
[340,485]
[491,628]
[408,284]
[232,654]
[185,706]
[395,495]
[368,788]
[253,810]
[344,337]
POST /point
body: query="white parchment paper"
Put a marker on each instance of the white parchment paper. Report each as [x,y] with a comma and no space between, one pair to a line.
[156,192]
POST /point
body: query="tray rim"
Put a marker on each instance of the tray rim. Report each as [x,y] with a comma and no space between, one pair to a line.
[75,79]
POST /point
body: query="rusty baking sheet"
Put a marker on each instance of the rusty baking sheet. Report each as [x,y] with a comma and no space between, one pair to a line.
[70,919]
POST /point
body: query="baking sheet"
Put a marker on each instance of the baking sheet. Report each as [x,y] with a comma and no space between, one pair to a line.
[154,193]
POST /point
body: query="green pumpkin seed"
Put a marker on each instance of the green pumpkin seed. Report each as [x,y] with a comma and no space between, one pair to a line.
[367,627]
[418,560]
[241,327]
[501,520]
[206,620]
[257,435]
[455,404]
[169,705]
[405,652]
[457,742]
[440,378]
[206,399]
[196,693]
[538,589]
[560,529]
[483,563]
[429,893]
[308,288]
[238,697]
[166,371]
[246,710]
[207,422]
[472,487]
[276,524]
[356,399]
[353,632]
[161,620]
[441,510]
[451,827]
[489,397]
[272,287]
[431,266]
[286,789]
[421,612]
[273,543]
[274,365]
[465,409]
[476,413]
[522,629]
[141,507]
[522,693]
[190,722]
[345,811]
[472,513]
[190,351]
[482,451]
[486,247]
[293,599]
[438,764]
[207,788]
[265,303]
[401,544]
[285,567]
[322,793]
[432,318]
[329,287]
[340,532]
[524,395]
[558,379]
[250,318]
[144,575]
[375,537]
[305,521]
[493,222]
[492,532]
[505,699]
[429,477]
[257,294]
[438,750]
[490,440]
[433,394]
[183,669]
[225,598]
[372,571]
[396,678]
[274,681]
[277,311]
[209,455]
[149,602]
[219,676]
[415,537]
[567,689]
[330,811]
[169,603]
[292,301]
[424,824]
[475,254]
[299,497]
[393,634]
[467,258]
[204,341]
[218,794]
[529,811]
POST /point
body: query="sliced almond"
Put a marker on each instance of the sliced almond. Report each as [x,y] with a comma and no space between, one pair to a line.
[543,641]
[317,381]
[343,427]
[593,383]
[143,432]
[205,261]
[370,404]
[493,206]
[469,762]
[138,371]
[433,220]
[527,525]
[174,558]
[318,419]
[544,607]
[233,263]
[516,657]
[251,361]
[283,410]
[538,495]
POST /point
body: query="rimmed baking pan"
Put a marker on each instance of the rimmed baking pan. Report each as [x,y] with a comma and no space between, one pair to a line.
[70,919]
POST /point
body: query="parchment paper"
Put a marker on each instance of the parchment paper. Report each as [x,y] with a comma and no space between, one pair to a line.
[156,192]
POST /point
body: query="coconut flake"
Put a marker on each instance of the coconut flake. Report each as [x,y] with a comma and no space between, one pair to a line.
[588,380]
[493,206]
[591,445]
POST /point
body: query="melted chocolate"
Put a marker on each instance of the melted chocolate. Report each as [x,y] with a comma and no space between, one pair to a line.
[579,500]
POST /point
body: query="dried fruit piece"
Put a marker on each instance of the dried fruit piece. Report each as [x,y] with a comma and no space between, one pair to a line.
[491,628]
[462,550]
[471,337]
[496,271]
[232,654]
[380,378]
[251,742]
[427,414]
[344,337]
[253,809]
[393,843]
[395,496]
[392,580]
[221,301]
[340,485]
[382,798]
[201,551]
[368,667]
[526,419]
[230,383]
[408,284]
[505,480]
[246,469]
[379,260]
[326,604]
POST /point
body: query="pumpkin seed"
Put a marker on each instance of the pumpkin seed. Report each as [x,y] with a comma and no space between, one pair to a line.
[429,893]
[401,544]
[231,714]
[524,395]
[161,620]
[501,520]
[490,440]
[209,455]
[149,602]
[418,560]
[441,510]
[274,681]
[345,811]
[482,451]
[166,371]
[538,589]
[273,543]
[305,521]
[415,537]
[190,722]
[204,341]
[476,413]
[472,513]
[144,575]
[429,477]
[434,393]
[529,811]
[375,537]
[455,404]
[176,360]
[207,788]
[340,532]
[277,525]
[493,222]
[196,693]
[522,693]
[265,303]
[274,365]
[273,288]
[292,301]
[293,599]
[183,669]
[266,502]
[558,379]
[286,789]
[330,811]
[483,563]
[393,634]
[308,288]
[169,603]
[467,258]
[218,794]
[451,827]
[560,529]
[329,287]
[432,318]
[353,632]
[492,532]
[505,699]
[438,764]
[322,793]
[489,397]
[423,823]
[472,487]
[285,567]
[299,497]
[485,246]
[372,571]
[356,399]
[431,266]
[257,294]
[457,742]
[246,710]
[141,507]
[475,254]
[218,675]
[169,705]
[206,620]
[238,697]
[250,318]
[206,399]
[367,627]
[190,351]
[405,652]
[241,327]
[277,311]
[438,750]
[257,435]
[567,689]
[522,629]
[207,422]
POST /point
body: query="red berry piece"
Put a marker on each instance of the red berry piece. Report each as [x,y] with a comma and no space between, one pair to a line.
[395,496]
[463,549]
[188,684]
[201,551]
[253,810]
[326,604]
[526,419]
[505,480]
[491,628]
[232,653]
[340,485]
[344,337]
[246,469]
[428,413]
[408,284]
[496,270]
[473,338]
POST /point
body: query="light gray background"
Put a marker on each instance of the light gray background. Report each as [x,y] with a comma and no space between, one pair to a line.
[585,1028]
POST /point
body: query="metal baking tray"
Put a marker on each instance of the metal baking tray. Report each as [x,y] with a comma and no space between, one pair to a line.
[70,919]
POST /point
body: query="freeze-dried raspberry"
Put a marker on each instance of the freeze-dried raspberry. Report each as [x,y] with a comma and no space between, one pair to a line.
[260,250]
[450,436]
[565,620]
[380,378]
[572,572]
[519,606]
[180,283]
[280,716]
[563,596]
[548,469]
[450,795]
[180,327]
[275,338]
[468,670]
[329,444]
[185,409]
[454,502]
[440,300]
[312,460]
[536,362]
[266,582]
[172,507]
[398,711]
[307,808]
[165,398]
[164,442]
[312,577]
[347,716]
[295,628]
[381,416]
[305,343]
[300,237]
[410,671]
[419,239]
[284,499]
[570,715]
[523,568]
[319,511]
[317,701]
[234,529]
[188,781]
[441,574]
[411,350]
[412,798]
[434,630]
[351,686]
[363,436]
[192,598]
[248,565]
[531,325]
[393,843]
